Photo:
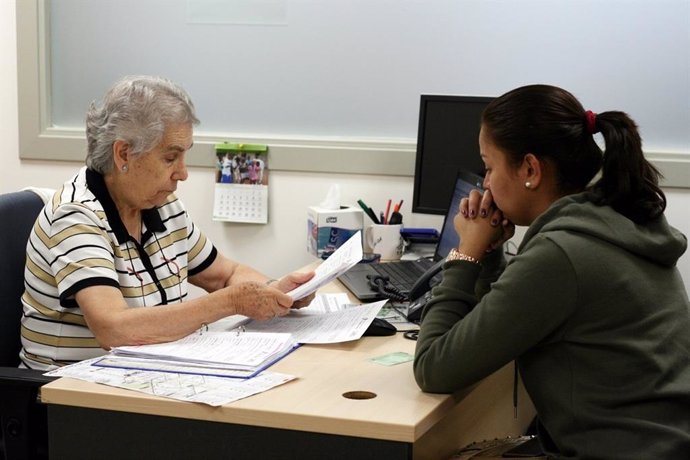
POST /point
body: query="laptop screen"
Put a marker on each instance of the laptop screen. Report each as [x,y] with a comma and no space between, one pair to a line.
[449,239]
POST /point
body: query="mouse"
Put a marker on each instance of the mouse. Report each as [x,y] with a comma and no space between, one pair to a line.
[380,327]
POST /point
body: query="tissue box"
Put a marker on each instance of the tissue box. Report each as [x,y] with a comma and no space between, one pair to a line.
[328,229]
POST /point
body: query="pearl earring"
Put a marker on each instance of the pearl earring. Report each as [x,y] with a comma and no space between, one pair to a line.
[124,168]
[528,184]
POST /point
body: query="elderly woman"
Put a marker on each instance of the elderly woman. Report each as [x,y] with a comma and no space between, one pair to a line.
[115,239]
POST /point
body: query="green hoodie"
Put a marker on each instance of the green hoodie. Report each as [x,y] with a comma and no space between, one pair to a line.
[595,312]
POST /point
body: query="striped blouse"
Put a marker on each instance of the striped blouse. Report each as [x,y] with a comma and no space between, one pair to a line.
[79,241]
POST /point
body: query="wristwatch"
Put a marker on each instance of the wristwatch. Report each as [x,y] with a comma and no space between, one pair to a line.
[454,254]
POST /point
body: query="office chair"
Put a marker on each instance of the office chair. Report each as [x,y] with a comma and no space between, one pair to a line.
[24,418]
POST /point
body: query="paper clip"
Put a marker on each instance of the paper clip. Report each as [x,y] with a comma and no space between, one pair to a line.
[203,328]
[240,329]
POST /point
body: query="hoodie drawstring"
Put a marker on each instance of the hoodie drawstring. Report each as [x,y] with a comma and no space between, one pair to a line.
[515,388]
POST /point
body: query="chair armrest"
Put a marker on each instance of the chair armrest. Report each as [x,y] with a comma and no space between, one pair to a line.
[14,376]
[23,416]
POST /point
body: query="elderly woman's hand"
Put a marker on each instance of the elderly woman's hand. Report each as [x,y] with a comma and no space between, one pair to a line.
[292,281]
[258,301]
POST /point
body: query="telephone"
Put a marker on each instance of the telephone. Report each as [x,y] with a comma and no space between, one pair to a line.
[416,307]
[429,279]
[420,293]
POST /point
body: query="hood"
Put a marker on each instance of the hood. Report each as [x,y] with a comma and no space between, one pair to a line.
[655,240]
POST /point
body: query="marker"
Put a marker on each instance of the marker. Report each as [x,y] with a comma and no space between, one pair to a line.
[368,211]
[398,206]
[396,218]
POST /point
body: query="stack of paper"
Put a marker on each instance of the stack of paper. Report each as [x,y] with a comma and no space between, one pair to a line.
[226,354]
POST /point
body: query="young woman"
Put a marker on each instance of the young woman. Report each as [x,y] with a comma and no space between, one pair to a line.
[592,308]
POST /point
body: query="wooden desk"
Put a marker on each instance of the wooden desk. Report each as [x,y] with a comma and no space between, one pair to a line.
[309,418]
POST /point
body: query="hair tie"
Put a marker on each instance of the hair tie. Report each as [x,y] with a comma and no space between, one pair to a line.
[591,122]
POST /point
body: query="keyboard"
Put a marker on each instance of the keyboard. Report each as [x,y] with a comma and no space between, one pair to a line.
[402,275]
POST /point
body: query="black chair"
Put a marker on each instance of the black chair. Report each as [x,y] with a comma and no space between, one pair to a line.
[24,419]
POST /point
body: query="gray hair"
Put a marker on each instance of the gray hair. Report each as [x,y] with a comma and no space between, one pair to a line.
[136,109]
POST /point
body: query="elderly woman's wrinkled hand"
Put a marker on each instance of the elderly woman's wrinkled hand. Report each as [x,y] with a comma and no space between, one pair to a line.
[292,281]
[258,301]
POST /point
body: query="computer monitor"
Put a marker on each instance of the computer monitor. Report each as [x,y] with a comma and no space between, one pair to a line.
[447,141]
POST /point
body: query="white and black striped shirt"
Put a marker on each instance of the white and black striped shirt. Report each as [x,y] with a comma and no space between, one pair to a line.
[79,241]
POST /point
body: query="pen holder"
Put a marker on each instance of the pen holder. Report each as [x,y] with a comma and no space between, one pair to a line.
[385,240]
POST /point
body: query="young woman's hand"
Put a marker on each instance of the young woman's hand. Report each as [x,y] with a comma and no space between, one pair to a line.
[480,225]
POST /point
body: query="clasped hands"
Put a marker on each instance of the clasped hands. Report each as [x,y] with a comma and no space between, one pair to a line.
[482,227]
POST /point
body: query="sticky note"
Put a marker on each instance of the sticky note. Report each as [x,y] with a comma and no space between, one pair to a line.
[391,359]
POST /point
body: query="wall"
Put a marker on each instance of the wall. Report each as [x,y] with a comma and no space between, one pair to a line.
[275,248]
[355,68]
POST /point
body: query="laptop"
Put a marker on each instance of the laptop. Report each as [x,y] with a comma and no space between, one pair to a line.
[403,274]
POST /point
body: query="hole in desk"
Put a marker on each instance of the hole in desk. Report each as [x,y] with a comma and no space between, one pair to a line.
[359,395]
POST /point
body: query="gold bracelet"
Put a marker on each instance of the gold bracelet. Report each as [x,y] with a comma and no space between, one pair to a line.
[454,254]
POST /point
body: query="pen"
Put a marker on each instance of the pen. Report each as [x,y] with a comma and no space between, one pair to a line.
[388,210]
[367,210]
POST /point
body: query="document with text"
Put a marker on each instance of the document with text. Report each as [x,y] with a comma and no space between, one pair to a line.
[214,391]
[321,323]
[343,259]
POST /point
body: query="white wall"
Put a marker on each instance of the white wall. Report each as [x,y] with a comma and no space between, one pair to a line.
[349,68]
[275,248]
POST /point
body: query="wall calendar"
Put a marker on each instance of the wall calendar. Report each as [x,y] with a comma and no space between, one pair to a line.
[241,189]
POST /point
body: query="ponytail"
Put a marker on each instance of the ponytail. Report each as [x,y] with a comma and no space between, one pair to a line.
[629,183]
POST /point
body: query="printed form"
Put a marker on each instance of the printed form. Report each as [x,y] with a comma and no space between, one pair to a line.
[348,322]
[214,391]
[343,259]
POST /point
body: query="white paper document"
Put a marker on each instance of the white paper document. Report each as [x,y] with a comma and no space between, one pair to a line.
[214,391]
[314,326]
[344,258]
[328,303]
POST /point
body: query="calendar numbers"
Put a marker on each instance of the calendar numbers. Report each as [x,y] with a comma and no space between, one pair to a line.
[241,203]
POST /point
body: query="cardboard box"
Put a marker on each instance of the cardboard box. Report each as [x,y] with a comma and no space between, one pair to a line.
[328,229]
